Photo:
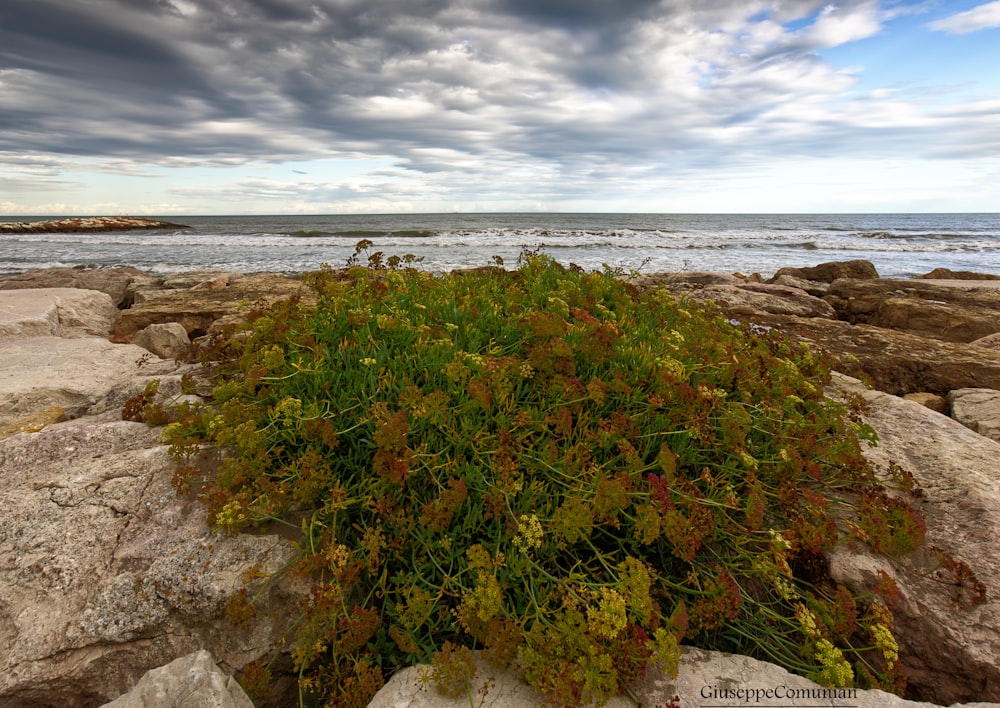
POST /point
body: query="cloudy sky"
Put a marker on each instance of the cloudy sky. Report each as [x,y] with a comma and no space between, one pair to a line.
[328,106]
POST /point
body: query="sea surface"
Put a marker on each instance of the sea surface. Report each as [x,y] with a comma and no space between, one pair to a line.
[900,245]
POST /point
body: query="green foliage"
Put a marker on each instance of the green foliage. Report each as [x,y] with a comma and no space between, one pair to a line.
[545,465]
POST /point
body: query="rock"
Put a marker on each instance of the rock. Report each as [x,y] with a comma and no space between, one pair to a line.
[977,409]
[87,224]
[207,279]
[704,678]
[115,282]
[33,422]
[938,404]
[947,621]
[991,341]
[196,310]
[168,341]
[692,277]
[71,374]
[736,296]
[60,312]
[812,287]
[947,274]
[193,681]
[930,309]
[829,272]
[753,297]
[894,362]
[106,572]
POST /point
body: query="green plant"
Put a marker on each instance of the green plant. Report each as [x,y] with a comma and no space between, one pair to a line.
[545,465]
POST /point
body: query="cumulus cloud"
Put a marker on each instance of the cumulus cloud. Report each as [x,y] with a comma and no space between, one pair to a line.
[984,16]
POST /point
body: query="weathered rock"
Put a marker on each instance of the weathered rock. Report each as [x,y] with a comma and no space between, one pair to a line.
[760,297]
[938,404]
[813,287]
[196,310]
[960,312]
[115,282]
[991,341]
[894,362]
[704,678]
[168,340]
[736,296]
[60,312]
[107,573]
[834,270]
[205,279]
[977,409]
[947,621]
[193,681]
[690,277]
[948,274]
[72,374]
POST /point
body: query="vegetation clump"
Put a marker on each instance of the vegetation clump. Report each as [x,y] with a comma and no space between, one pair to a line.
[547,466]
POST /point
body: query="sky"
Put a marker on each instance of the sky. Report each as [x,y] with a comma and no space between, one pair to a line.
[173,107]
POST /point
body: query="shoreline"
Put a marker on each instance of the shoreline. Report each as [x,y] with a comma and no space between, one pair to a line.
[89,224]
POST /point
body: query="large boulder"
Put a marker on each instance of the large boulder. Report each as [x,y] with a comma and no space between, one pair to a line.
[107,572]
[704,678]
[834,270]
[977,409]
[196,309]
[894,362]
[193,681]
[948,612]
[60,312]
[962,311]
[43,373]
[115,282]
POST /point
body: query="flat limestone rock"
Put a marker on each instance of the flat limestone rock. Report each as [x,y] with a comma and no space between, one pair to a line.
[60,312]
[41,373]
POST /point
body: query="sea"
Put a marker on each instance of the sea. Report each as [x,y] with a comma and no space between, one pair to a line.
[899,245]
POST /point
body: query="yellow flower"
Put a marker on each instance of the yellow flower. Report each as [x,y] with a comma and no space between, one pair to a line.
[885,642]
[607,620]
[529,533]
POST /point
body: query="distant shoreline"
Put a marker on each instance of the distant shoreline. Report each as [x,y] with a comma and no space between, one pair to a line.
[95,224]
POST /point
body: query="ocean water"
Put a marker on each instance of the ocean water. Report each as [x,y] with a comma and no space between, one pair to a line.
[900,245]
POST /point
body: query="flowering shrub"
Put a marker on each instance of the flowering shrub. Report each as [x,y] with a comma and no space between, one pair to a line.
[547,466]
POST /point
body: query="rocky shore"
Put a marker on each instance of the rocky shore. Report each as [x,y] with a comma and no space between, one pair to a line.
[107,574]
[86,224]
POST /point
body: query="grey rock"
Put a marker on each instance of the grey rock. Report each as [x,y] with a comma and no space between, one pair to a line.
[42,373]
[192,681]
[947,622]
[108,573]
[60,312]
[115,282]
[977,409]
